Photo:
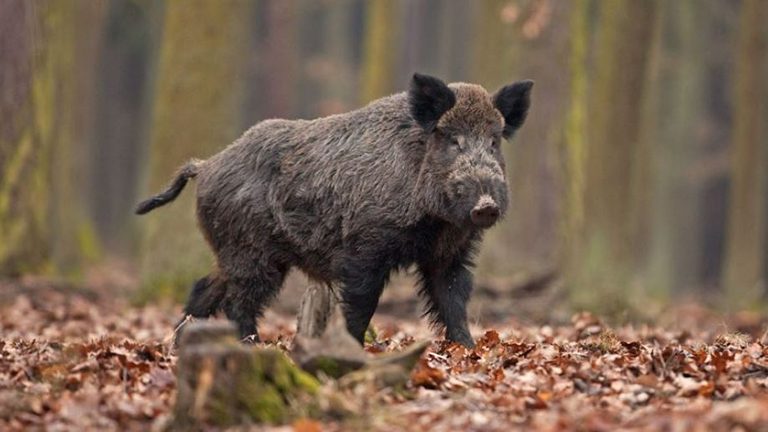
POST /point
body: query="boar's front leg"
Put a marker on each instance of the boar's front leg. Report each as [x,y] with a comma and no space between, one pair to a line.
[447,288]
[360,294]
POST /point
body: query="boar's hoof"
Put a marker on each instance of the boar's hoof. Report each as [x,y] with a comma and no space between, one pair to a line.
[463,339]
[251,339]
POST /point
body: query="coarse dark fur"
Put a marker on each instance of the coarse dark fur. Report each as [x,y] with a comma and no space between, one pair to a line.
[410,179]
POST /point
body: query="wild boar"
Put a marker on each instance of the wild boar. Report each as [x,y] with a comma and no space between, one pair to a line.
[412,179]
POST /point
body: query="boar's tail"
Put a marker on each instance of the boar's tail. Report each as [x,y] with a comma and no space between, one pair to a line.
[186,172]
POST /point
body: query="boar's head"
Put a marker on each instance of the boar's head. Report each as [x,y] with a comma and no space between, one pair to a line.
[463,162]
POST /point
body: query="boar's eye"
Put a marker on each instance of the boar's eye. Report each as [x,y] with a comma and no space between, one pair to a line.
[495,144]
[449,140]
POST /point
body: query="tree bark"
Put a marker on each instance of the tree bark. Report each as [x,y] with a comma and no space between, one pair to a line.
[224,383]
[317,305]
[119,123]
[281,50]
[44,223]
[323,345]
[379,49]
[196,112]
[611,247]
[24,138]
[679,92]
[745,250]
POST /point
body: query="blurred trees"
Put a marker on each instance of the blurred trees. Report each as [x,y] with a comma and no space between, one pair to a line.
[48,60]
[613,241]
[281,55]
[23,143]
[78,27]
[678,85]
[744,271]
[334,64]
[120,121]
[378,53]
[516,42]
[640,173]
[197,98]
[575,148]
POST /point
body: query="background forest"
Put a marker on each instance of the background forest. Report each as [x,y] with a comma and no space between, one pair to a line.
[639,178]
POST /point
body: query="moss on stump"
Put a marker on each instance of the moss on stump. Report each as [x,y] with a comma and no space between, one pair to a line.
[223,383]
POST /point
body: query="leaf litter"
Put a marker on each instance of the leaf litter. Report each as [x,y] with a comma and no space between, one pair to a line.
[69,362]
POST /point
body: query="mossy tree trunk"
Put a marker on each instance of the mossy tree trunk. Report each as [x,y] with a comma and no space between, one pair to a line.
[196,112]
[455,39]
[379,44]
[615,218]
[74,240]
[495,45]
[339,87]
[515,41]
[745,247]
[25,134]
[534,153]
[679,90]
[325,83]
[119,123]
[224,383]
[44,224]
[575,140]
[281,50]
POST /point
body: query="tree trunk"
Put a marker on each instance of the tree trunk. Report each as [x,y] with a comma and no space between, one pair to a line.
[744,258]
[495,49]
[196,112]
[455,37]
[281,52]
[575,141]
[516,42]
[74,239]
[534,164]
[25,135]
[224,383]
[617,165]
[44,223]
[120,120]
[379,49]
[322,344]
[624,40]
[317,304]
[679,90]
[339,93]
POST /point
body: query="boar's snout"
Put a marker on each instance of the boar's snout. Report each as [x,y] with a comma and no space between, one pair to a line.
[485,213]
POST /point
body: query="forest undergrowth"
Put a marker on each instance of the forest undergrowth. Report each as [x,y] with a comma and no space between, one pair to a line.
[74,360]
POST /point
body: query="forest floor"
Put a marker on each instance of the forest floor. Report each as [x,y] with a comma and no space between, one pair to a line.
[78,360]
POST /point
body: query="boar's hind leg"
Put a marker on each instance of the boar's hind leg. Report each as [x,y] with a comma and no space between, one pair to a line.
[248,295]
[204,301]
[205,298]
[447,291]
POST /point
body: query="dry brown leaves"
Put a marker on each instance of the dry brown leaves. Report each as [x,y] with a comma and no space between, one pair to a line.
[587,376]
[65,364]
[68,363]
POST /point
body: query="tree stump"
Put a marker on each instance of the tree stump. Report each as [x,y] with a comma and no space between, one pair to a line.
[317,306]
[335,352]
[323,345]
[222,382]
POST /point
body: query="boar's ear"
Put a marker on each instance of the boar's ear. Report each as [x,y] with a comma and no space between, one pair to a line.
[429,99]
[513,102]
